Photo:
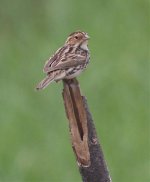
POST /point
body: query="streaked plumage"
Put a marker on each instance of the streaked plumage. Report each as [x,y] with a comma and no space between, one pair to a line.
[68,61]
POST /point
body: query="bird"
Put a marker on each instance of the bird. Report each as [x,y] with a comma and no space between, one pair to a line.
[68,61]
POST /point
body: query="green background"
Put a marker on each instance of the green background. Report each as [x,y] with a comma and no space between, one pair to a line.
[34,138]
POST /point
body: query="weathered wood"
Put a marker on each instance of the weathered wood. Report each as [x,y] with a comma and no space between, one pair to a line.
[77,121]
[85,143]
[97,171]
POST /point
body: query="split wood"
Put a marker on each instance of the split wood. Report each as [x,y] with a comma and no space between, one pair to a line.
[87,149]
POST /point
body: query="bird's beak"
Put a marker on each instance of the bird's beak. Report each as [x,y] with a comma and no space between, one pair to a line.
[87,37]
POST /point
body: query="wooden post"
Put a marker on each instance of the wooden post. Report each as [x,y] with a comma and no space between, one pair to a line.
[88,152]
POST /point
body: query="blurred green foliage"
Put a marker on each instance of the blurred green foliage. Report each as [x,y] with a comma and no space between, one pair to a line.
[34,138]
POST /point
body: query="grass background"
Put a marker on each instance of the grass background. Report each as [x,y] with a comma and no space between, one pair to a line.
[34,138]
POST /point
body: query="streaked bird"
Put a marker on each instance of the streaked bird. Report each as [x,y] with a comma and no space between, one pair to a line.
[68,61]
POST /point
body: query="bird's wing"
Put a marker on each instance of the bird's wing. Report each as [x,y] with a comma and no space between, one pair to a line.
[67,62]
[54,59]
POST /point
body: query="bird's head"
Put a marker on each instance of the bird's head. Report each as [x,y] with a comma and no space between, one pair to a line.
[77,38]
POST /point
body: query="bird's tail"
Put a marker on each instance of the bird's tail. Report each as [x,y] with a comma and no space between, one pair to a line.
[45,82]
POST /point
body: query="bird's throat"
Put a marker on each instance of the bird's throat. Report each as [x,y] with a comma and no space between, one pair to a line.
[84,46]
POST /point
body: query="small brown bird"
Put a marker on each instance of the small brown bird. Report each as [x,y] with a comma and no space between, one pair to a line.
[68,61]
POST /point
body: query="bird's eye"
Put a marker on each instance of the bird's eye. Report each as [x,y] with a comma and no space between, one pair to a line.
[76,37]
